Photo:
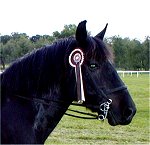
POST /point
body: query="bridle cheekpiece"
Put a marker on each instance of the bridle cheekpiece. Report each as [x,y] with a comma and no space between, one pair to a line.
[76,59]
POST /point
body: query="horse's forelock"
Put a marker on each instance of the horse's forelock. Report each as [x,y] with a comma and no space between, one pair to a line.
[98,50]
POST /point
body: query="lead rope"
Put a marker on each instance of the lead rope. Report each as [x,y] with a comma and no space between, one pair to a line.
[93,116]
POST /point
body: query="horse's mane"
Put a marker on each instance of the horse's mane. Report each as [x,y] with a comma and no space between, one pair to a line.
[46,66]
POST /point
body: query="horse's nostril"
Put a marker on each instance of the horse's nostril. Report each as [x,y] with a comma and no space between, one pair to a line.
[129,113]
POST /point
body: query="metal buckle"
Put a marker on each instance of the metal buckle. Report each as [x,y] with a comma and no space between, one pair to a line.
[104,107]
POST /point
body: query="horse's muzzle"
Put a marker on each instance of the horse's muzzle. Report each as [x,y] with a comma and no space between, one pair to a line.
[125,119]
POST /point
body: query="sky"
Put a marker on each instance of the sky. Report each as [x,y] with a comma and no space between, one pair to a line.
[126,18]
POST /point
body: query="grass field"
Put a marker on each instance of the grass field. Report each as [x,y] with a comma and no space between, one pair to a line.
[78,131]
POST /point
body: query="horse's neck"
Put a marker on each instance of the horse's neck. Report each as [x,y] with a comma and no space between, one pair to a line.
[47,118]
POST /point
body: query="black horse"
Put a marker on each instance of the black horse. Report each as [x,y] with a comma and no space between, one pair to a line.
[37,89]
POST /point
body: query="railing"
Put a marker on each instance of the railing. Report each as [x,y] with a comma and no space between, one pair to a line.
[132,72]
[126,72]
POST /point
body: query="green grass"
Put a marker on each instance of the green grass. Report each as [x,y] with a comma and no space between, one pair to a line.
[78,131]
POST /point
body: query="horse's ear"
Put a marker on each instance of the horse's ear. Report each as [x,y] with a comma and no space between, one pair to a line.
[81,33]
[102,33]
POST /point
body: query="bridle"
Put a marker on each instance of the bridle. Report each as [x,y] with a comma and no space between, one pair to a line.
[104,106]
[76,59]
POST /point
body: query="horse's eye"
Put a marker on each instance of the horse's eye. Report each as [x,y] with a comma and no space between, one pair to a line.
[93,66]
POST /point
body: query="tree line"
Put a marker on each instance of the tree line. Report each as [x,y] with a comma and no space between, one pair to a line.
[129,54]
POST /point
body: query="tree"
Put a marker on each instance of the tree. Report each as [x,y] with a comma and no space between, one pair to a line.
[39,40]
[17,46]
[4,39]
[146,54]
[134,55]
[2,59]
[129,54]
[69,30]
[119,49]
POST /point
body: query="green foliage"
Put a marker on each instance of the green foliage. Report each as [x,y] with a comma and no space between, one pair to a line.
[17,46]
[69,30]
[5,39]
[129,54]
[146,53]
[79,131]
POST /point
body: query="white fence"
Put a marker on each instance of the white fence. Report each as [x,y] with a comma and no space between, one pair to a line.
[126,72]
[132,72]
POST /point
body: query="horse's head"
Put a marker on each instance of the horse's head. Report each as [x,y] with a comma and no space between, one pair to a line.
[104,91]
